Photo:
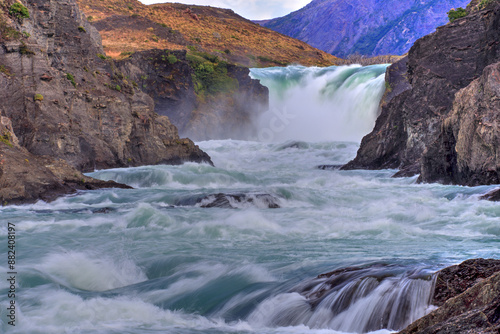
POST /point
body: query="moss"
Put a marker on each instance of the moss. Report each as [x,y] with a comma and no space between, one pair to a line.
[103,57]
[38,97]
[71,78]
[118,88]
[5,71]
[6,138]
[19,11]
[24,50]
[81,29]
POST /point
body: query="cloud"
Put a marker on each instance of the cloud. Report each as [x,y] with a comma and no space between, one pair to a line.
[250,9]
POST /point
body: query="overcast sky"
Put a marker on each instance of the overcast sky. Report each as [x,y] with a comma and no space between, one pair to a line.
[250,9]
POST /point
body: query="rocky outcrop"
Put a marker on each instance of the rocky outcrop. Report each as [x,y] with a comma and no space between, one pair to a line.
[421,90]
[66,100]
[25,177]
[467,150]
[169,77]
[469,300]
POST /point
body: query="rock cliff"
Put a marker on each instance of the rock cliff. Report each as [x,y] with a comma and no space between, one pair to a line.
[428,123]
[202,105]
[66,100]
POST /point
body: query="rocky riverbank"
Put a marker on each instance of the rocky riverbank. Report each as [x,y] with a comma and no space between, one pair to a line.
[468,296]
[65,102]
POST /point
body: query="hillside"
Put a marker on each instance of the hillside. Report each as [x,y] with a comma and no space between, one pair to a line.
[129,26]
[367,27]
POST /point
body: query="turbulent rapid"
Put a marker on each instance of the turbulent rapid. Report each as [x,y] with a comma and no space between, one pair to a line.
[262,242]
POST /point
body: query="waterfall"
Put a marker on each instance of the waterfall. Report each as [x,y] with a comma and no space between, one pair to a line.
[337,103]
[353,300]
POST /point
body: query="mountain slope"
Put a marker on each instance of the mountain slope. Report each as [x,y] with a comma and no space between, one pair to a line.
[128,26]
[367,27]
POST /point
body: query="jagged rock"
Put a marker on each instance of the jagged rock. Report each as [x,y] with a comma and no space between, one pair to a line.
[467,150]
[438,66]
[25,177]
[231,201]
[98,119]
[469,295]
[492,196]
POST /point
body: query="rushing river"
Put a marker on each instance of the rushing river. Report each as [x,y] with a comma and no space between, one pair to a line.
[165,257]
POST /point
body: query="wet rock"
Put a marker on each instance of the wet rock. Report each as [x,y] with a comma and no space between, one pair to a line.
[469,298]
[492,196]
[329,167]
[231,201]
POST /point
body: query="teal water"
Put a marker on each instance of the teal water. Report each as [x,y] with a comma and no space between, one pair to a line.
[153,260]
[148,266]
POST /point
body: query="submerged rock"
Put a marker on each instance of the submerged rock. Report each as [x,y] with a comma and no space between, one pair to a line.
[492,196]
[231,201]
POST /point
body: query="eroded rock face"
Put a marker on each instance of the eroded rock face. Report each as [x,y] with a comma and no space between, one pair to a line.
[66,102]
[469,299]
[438,66]
[467,150]
[25,177]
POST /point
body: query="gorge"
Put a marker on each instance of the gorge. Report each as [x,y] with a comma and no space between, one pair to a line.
[247,236]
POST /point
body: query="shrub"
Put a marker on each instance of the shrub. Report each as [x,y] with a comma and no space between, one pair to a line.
[81,29]
[172,59]
[485,3]
[24,50]
[118,88]
[19,11]
[456,14]
[38,97]
[71,78]
[103,57]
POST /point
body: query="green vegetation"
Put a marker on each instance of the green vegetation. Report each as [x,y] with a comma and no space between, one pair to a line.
[8,33]
[5,71]
[71,78]
[38,97]
[90,18]
[26,34]
[24,50]
[270,60]
[456,14]
[81,29]
[126,53]
[19,11]
[485,3]
[210,75]
[103,57]
[118,88]
[172,59]
[6,138]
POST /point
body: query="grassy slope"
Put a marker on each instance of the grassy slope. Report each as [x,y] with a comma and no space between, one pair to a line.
[128,26]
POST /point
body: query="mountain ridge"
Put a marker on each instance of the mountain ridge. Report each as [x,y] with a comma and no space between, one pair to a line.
[342,27]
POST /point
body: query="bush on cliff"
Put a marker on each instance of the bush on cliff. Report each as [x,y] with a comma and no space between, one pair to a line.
[19,11]
[210,75]
[456,14]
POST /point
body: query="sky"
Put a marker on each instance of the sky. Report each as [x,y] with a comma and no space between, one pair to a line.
[250,9]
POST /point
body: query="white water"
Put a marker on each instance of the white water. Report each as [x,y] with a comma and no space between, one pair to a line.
[316,104]
[148,265]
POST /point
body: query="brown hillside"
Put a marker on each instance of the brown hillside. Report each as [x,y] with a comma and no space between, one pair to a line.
[128,26]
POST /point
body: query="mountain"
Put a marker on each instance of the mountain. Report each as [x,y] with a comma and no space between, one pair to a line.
[130,26]
[367,27]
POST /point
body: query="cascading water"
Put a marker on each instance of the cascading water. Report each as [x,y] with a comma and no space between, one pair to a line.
[353,300]
[317,104]
[233,248]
